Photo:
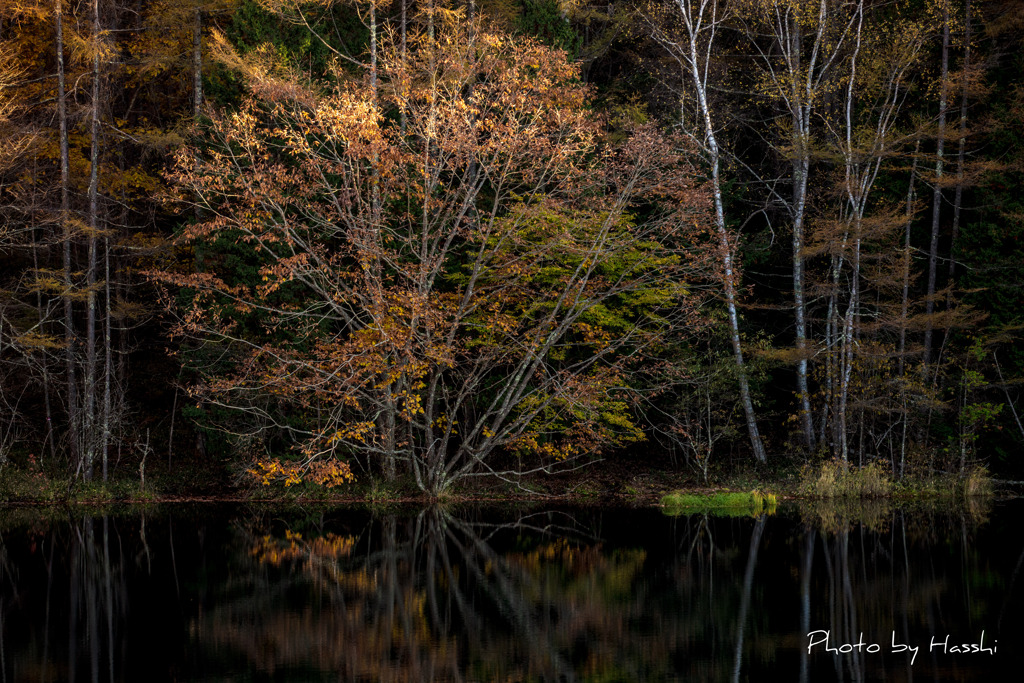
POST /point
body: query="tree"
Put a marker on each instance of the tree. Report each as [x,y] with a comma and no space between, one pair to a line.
[798,43]
[880,64]
[455,295]
[14,143]
[693,45]
[76,202]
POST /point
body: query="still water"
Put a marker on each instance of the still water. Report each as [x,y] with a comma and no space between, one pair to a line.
[237,593]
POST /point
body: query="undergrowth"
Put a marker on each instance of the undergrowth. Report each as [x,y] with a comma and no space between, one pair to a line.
[836,479]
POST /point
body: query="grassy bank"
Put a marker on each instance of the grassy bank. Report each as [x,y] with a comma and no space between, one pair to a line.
[640,483]
[835,479]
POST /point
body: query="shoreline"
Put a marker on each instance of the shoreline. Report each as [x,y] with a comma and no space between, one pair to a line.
[641,483]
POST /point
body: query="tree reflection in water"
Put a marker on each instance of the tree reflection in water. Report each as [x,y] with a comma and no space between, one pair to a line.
[85,556]
[472,594]
[429,597]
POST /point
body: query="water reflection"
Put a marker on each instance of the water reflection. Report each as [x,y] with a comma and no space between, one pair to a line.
[433,596]
[76,577]
[484,595]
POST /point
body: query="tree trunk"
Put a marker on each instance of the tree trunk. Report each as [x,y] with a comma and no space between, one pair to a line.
[905,310]
[107,361]
[197,62]
[698,73]
[730,297]
[849,328]
[905,303]
[403,29]
[855,190]
[45,360]
[800,306]
[826,413]
[801,167]
[959,192]
[90,324]
[933,250]
[170,436]
[74,436]
[373,49]
[730,292]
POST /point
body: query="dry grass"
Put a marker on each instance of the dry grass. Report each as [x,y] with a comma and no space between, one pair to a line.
[836,479]
[976,483]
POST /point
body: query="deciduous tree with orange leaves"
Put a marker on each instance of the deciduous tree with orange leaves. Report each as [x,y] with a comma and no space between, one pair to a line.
[450,273]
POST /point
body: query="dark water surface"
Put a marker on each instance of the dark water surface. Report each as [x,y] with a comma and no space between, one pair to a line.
[235,593]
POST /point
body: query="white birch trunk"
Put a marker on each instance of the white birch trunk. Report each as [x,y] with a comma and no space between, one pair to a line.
[698,20]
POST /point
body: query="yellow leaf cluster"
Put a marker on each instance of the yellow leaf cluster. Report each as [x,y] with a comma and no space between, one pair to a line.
[328,474]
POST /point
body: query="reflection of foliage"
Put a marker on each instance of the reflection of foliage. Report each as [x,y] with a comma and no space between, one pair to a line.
[831,516]
[303,594]
[579,572]
[435,597]
[270,550]
[415,606]
[923,521]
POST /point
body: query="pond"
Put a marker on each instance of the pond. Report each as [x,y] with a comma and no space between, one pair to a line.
[243,593]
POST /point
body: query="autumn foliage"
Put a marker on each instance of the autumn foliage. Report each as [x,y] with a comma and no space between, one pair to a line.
[454,270]
[425,241]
